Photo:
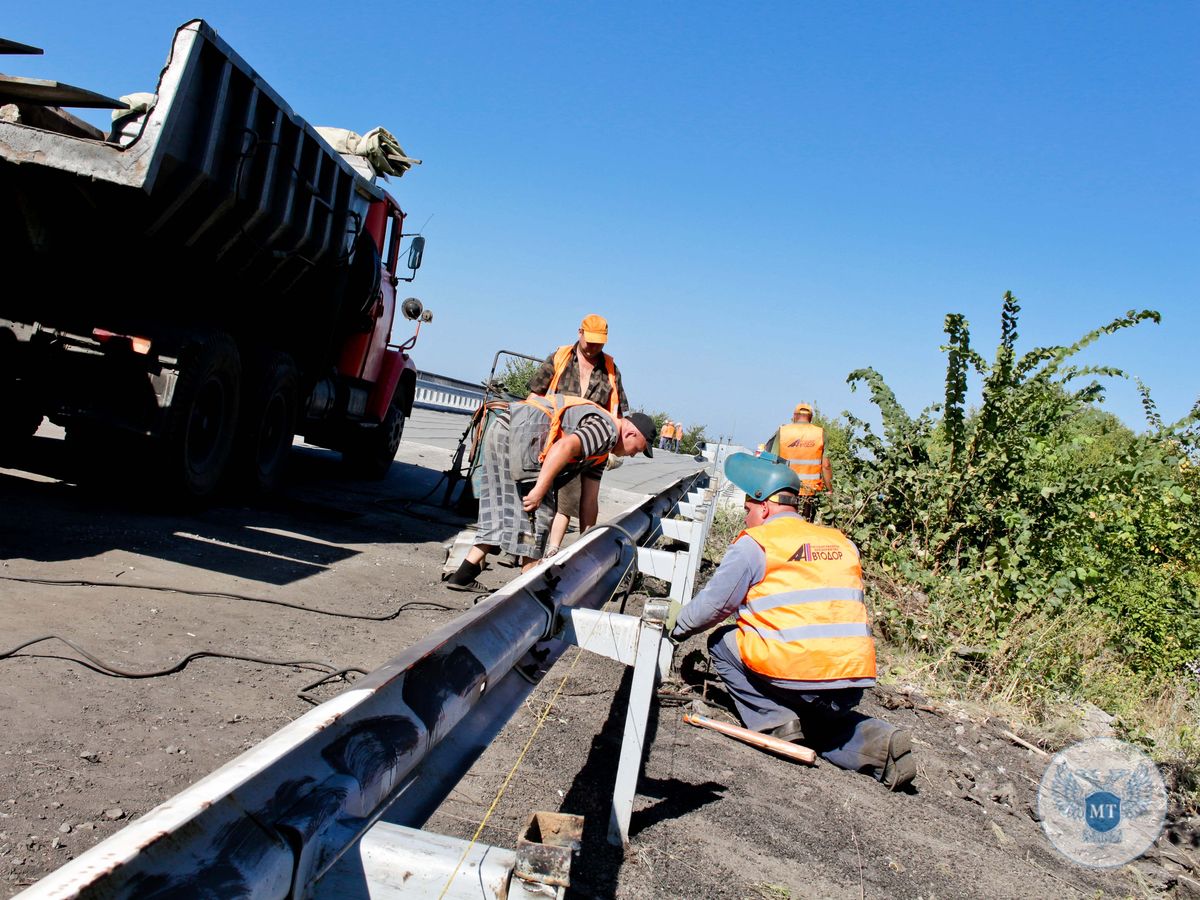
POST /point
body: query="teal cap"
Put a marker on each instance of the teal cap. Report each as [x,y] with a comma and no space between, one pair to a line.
[760,478]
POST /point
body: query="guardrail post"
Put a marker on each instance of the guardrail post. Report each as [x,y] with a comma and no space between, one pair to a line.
[641,690]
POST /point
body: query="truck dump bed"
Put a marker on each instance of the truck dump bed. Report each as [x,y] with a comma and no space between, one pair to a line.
[220,181]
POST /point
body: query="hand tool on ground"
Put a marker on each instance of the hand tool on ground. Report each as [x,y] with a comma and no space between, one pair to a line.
[754,738]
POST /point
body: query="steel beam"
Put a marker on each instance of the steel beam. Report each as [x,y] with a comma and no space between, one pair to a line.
[271,822]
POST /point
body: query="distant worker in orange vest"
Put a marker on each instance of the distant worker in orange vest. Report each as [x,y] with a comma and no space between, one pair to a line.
[669,434]
[530,450]
[664,436]
[800,654]
[801,445]
[581,369]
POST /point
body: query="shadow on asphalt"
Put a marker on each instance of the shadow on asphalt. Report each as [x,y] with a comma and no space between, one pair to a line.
[312,522]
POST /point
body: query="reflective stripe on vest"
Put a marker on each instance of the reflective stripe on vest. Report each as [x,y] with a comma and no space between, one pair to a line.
[806,620]
[562,359]
[814,595]
[555,406]
[802,446]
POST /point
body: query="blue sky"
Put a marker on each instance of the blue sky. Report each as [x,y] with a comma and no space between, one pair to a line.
[759,197]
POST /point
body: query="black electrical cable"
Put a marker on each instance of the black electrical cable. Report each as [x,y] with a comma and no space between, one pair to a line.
[98,665]
[167,589]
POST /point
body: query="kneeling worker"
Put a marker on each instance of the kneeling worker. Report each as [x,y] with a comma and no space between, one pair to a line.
[528,453]
[801,653]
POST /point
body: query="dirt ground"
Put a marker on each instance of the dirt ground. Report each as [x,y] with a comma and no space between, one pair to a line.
[716,818]
[84,752]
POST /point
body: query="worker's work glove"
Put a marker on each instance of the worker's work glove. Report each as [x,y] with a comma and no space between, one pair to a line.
[669,624]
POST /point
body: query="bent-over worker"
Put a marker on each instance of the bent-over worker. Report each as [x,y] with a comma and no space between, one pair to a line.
[801,654]
[581,369]
[529,451]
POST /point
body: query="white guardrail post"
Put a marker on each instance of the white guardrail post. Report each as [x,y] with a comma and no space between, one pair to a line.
[640,642]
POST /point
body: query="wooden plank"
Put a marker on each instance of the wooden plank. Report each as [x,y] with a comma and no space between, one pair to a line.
[7,46]
[52,93]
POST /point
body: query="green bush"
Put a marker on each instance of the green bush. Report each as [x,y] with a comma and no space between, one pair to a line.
[1034,509]
[516,375]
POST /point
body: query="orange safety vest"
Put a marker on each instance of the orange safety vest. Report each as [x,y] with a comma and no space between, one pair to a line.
[803,447]
[668,430]
[806,620]
[554,406]
[562,359]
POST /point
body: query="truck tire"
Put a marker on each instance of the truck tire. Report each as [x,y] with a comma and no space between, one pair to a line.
[21,415]
[369,453]
[18,423]
[198,439]
[270,401]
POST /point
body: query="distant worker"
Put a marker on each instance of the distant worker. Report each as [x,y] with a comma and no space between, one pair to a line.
[664,435]
[677,437]
[581,369]
[800,654]
[668,434]
[530,450]
[801,444]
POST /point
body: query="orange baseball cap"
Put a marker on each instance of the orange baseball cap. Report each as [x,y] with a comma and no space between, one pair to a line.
[802,407]
[595,329]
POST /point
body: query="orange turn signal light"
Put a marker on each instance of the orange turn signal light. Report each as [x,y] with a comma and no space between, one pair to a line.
[139,345]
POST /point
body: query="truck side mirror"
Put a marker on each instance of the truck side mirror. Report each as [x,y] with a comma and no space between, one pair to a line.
[416,250]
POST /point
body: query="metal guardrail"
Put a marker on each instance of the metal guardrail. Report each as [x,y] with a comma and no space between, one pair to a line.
[275,820]
[444,394]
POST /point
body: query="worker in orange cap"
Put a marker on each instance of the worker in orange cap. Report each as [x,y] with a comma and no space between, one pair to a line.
[801,444]
[581,369]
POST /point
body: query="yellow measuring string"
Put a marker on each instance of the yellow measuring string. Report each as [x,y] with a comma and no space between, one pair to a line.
[529,743]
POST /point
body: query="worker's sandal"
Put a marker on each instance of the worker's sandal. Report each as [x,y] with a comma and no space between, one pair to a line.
[788,731]
[900,768]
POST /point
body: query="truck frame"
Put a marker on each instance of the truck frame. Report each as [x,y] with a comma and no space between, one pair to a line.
[203,283]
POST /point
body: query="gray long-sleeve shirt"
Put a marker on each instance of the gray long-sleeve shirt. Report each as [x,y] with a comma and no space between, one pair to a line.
[745,564]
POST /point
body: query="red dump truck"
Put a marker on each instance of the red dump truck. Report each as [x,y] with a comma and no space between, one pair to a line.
[202,283]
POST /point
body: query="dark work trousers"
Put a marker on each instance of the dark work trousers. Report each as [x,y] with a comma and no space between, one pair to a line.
[848,739]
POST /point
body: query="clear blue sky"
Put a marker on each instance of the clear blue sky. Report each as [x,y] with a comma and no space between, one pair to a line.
[759,197]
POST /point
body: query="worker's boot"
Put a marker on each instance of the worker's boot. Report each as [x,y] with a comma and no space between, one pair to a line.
[900,768]
[788,731]
[464,579]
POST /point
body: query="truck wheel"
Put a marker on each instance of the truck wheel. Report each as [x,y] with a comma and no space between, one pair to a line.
[198,439]
[18,423]
[370,453]
[22,416]
[268,422]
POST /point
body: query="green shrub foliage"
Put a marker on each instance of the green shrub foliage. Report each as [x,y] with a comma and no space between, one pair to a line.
[1034,516]
[514,378]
